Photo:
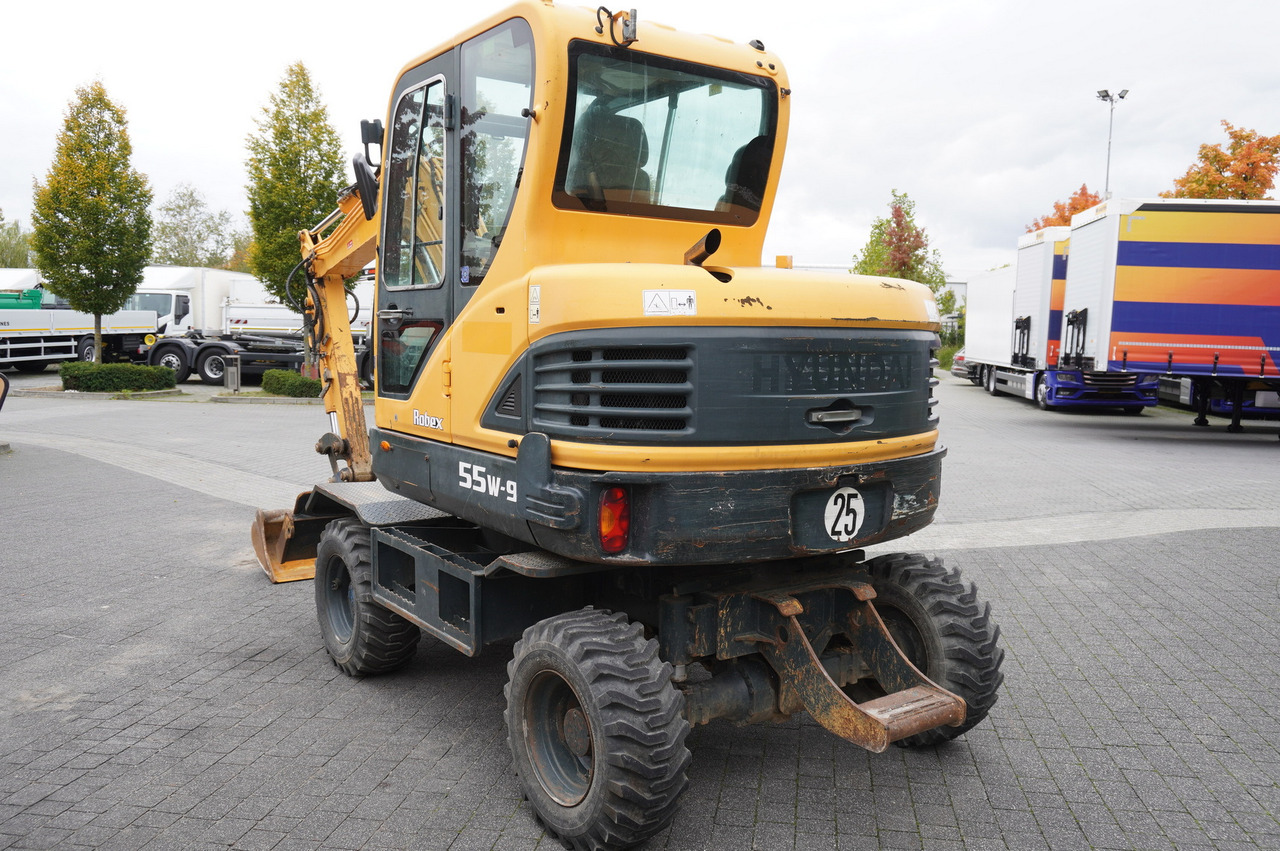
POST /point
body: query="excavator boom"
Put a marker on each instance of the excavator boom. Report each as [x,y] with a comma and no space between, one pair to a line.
[284,540]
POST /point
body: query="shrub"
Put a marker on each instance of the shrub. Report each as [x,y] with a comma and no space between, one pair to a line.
[114,377]
[286,382]
[946,355]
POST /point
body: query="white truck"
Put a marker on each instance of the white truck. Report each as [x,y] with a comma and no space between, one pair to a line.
[208,315]
[34,333]
[1021,338]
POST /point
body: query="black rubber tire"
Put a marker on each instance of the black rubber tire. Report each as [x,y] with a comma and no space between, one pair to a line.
[84,350]
[945,630]
[360,636]
[211,367]
[596,729]
[172,357]
[989,380]
[31,367]
[1042,395]
[1133,410]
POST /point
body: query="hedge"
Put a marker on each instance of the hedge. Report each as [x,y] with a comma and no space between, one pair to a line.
[114,377]
[286,382]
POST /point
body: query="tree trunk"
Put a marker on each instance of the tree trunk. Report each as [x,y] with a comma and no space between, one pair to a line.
[97,338]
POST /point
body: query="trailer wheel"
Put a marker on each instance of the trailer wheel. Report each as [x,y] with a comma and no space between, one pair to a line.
[992,386]
[174,359]
[361,636]
[596,729]
[211,367]
[84,350]
[30,367]
[944,629]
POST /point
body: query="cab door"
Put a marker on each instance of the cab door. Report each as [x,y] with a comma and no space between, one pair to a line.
[417,256]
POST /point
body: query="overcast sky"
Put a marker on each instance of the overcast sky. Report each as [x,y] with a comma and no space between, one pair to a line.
[985,113]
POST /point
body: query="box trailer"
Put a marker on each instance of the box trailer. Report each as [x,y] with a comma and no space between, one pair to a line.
[1181,288]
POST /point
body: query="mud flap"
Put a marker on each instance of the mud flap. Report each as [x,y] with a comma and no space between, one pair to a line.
[912,705]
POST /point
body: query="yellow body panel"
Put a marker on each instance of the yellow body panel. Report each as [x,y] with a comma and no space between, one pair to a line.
[592,271]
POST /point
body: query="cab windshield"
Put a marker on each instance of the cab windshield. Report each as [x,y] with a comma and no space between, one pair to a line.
[656,137]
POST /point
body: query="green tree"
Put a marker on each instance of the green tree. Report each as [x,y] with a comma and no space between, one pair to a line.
[92,233]
[15,245]
[295,174]
[899,248]
[188,233]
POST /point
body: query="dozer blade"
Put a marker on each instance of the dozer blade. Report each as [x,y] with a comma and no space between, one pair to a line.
[285,541]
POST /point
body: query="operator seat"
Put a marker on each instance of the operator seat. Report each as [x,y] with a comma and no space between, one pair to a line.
[746,176]
[609,155]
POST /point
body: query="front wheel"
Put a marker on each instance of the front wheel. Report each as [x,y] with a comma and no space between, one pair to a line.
[212,367]
[176,361]
[596,729]
[940,624]
[1042,394]
[360,636]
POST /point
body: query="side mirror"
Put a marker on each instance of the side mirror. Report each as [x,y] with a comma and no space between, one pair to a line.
[366,185]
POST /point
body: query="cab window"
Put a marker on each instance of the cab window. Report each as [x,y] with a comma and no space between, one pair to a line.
[652,136]
[497,86]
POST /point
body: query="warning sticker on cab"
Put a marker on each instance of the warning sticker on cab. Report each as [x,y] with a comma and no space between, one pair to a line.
[670,303]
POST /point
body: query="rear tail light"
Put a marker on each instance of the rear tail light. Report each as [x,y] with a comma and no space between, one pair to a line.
[615,519]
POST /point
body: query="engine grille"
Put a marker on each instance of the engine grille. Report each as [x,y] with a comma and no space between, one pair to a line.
[635,389]
[1110,380]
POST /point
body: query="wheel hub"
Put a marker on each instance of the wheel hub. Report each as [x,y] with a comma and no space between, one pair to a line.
[577,734]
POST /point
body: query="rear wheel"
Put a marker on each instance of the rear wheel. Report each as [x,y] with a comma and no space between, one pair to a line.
[360,636]
[992,387]
[212,367]
[84,349]
[31,367]
[596,729]
[940,624]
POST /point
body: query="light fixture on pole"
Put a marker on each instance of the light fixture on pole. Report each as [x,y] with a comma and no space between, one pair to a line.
[1105,95]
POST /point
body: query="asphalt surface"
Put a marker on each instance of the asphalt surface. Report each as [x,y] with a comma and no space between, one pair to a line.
[156,691]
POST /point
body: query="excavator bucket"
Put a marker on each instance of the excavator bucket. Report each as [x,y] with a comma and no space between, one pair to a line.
[285,541]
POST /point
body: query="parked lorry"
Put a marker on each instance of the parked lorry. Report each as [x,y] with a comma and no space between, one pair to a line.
[208,315]
[1029,359]
[1180,288]
[33,336]
[604,432]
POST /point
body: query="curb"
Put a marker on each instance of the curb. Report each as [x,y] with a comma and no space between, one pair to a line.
[265,400]
[76,394]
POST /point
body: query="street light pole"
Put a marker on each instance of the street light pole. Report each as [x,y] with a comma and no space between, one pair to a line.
[1105,95]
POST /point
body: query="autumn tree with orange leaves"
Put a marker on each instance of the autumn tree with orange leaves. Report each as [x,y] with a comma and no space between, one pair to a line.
[1246,169]
[1064,210]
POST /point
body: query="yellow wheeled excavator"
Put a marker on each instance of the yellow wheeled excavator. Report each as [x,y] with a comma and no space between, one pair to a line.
[604,432]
